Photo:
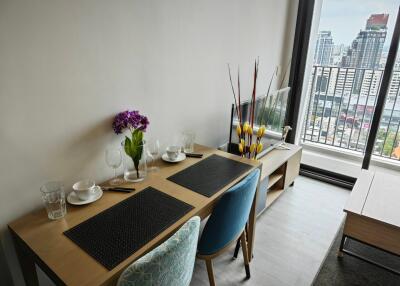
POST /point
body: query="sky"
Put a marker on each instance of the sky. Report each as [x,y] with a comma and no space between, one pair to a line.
[345,18]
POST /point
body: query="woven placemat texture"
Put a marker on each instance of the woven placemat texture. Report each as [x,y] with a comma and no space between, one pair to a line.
[210,174]
[116,233]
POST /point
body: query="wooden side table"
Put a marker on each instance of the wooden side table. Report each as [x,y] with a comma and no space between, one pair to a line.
[373,215]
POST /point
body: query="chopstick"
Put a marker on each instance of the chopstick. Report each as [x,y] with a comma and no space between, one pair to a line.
[118,189]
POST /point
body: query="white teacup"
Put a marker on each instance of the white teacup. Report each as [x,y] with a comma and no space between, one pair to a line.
[173,152]
[84,189]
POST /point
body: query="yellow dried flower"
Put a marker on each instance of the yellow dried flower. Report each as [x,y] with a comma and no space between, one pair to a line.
[245,127]
[259,147]
[250,130]
[242,142]
[252,147]
[238,130]
[240,148]
[261,131]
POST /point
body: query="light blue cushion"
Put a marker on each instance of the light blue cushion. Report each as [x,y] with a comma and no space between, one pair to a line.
[229,216]
[171,263]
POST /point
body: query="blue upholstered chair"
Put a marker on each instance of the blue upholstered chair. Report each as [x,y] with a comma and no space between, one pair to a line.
[171,263]
[227,223]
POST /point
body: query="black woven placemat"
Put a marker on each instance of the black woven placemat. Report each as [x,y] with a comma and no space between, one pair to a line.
[210,175]
[116,233]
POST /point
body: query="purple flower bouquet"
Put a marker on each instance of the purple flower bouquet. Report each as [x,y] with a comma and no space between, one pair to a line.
[133,145]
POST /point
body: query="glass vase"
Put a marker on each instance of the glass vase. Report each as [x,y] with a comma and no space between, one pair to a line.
[134,173]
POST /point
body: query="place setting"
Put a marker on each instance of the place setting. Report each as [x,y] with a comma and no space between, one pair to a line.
[173,154]
[84,192]
[177,153]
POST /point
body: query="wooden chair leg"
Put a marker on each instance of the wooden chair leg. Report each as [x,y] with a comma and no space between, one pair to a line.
[235,254]
[210,272]
[245,254]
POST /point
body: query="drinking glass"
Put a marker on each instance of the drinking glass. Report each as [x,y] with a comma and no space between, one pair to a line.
[153,150]
[114,160]
[188,141]
[53,196]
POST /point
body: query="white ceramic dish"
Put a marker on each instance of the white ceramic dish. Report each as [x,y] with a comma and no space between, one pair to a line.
[84,189]
[73,198]
[173,152]
[180,158]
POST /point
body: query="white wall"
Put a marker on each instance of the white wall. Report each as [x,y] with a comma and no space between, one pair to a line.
[67,67]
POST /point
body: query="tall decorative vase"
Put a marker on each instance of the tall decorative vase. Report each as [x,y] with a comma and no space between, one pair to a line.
[135,171]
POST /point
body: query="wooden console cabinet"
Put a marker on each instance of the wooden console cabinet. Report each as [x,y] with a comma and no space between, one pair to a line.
[279,170]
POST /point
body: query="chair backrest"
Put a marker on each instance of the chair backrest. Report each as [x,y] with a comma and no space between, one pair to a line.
[229,216]
[171,263]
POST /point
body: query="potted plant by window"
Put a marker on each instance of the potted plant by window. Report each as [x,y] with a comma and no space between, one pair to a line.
[250,133]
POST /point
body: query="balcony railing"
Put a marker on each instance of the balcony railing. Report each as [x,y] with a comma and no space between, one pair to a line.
[340,106]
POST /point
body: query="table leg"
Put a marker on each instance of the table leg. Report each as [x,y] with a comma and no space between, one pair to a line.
[252,223]
[252,230]
[26,261]
[340,251]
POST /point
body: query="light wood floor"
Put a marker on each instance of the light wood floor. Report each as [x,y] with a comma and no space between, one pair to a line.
[292,239]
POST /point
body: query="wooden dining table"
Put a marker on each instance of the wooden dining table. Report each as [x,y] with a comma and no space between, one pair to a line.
[41,241]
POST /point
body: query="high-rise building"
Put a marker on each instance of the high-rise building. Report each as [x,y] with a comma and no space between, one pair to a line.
[324,48]
[397,64]
[366,49]
[337,54]
[377,21]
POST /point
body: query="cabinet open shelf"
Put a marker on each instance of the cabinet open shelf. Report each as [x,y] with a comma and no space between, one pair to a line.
[279,169]
[272,195]
[273,179]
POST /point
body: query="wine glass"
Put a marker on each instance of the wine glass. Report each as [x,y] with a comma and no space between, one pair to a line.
[153,150]
[114,160]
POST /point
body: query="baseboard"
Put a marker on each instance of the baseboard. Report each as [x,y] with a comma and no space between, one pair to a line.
[328,176]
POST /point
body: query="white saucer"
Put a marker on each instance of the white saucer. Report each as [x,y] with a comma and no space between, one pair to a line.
[74,200]
[180,158]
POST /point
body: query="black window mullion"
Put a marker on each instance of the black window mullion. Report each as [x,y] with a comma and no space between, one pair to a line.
[301,42]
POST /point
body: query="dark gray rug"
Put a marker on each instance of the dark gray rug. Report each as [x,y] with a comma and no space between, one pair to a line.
[352,271]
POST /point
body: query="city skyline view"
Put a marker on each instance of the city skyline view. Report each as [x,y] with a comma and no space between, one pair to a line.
[345,18]
[349,58]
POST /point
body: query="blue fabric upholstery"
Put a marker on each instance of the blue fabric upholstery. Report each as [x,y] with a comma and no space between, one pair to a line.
[229,216]
[171,263]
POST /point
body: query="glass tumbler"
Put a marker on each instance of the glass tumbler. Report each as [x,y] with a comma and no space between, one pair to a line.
[53,196]
[188,141]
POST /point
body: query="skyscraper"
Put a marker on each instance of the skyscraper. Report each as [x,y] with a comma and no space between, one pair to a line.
[324,48]
[366,49]
[377,21]
[337,54]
